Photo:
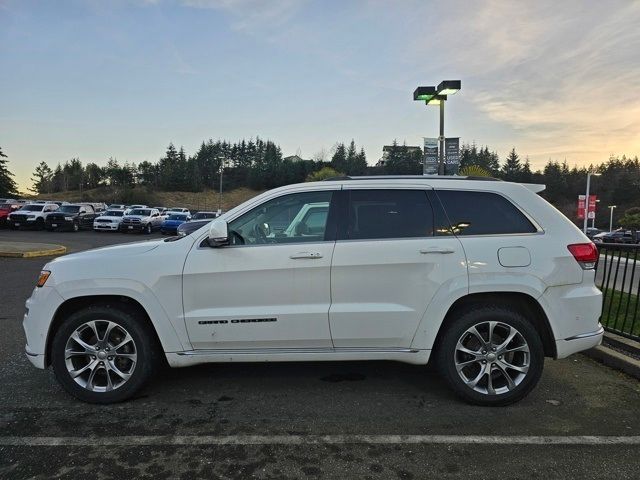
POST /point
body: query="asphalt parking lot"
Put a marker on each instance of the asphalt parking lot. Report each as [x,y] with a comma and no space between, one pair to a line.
[306,420]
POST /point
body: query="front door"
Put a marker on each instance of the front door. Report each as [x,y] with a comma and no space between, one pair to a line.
[391,257]
[270,287]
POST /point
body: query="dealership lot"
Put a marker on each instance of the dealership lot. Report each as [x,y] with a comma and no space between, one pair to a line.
[320,420]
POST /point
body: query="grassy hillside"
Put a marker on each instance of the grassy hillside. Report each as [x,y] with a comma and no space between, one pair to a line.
[207,200]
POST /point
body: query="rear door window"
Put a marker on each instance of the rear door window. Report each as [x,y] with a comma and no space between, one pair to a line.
[377,214]
[483,213]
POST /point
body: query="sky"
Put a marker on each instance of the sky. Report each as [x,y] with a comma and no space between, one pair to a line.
[96,79]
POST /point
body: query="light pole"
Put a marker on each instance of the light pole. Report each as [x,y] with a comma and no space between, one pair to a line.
[437,96]
[611,207]
[220,194]
[593,220]
[586,200]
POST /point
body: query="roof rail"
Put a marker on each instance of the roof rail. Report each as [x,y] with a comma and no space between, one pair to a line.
[412,177]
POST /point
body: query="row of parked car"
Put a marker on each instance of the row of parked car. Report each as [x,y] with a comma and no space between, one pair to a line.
[55,215]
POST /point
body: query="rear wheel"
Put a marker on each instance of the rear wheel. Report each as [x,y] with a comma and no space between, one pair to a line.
[103,354]
[491,355]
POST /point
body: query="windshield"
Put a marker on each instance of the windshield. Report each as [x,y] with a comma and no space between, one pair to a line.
[201,215]
[69,209]
[140,211]
[113,213]
[33,208]
[177,217]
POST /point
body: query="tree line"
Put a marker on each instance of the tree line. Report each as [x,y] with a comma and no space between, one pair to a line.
[259,164]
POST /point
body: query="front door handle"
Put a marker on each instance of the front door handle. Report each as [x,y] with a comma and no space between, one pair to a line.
[299,255]
[436,250]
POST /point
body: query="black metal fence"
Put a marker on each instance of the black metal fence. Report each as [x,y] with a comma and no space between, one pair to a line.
[618,276]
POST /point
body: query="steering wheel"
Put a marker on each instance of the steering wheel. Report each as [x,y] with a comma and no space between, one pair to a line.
[258,231]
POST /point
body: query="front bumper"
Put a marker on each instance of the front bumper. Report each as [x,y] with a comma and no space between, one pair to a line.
[135,227]
[109,227]
[27,222]
[58,224]
[41,307]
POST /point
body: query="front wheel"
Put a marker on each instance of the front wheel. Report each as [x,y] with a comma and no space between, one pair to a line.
[147,229]
[491,356]
[103,354]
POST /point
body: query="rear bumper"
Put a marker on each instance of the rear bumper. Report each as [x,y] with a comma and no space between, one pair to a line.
[578,343]
[574,312]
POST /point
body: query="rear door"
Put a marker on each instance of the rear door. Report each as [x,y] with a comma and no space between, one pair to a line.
[393,253]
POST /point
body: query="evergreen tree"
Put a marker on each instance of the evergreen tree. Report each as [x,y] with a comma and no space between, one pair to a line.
[42,179]
[402,161]
[512,169]
[339,158]
[8,185]
[93,176]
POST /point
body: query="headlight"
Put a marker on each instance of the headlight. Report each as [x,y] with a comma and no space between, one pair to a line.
[42,279]
[68,219]
[31,217]
[181,233]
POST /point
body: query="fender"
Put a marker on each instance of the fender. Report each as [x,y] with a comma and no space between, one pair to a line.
[170,328]
[453,291]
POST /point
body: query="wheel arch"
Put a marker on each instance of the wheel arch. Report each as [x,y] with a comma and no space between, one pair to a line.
[75,304]
[520,302]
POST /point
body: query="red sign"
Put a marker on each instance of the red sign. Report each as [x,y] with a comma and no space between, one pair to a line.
[592,206]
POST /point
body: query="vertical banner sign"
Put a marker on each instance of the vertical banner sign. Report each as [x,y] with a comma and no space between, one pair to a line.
[592,206]
[581,200]
[451,156]
[591,214]
[430,160]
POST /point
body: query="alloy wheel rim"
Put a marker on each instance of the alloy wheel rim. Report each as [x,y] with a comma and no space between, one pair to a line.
[492,358]
[100,355]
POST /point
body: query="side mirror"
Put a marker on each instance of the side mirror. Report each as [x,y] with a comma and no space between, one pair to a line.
[218,233]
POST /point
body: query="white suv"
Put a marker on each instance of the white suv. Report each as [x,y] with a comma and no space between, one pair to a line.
[483,276]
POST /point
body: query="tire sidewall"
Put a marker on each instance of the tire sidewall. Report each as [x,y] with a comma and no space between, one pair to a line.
[146,353]
[455,329]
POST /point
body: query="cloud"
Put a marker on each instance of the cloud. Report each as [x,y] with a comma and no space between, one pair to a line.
[251,14]
[562,76]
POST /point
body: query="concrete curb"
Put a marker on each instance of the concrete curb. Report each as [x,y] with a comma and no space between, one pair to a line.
[619,342]
[614,359]
[44,250]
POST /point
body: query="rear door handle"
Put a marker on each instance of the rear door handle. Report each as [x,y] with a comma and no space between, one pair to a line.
[436,250]
[299,255]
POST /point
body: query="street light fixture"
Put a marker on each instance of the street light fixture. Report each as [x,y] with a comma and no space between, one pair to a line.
[611,207]
[437,96]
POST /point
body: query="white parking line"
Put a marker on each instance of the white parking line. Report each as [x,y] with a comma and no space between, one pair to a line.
[172,440]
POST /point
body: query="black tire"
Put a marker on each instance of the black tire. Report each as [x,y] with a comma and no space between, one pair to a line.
[39,224]
[75,227]
[446,355]
[148,229]
[147,350]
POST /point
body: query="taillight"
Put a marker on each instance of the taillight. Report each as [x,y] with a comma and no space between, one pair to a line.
[586,254]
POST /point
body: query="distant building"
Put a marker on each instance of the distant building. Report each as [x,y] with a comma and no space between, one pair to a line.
[294,158]
[387,148]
